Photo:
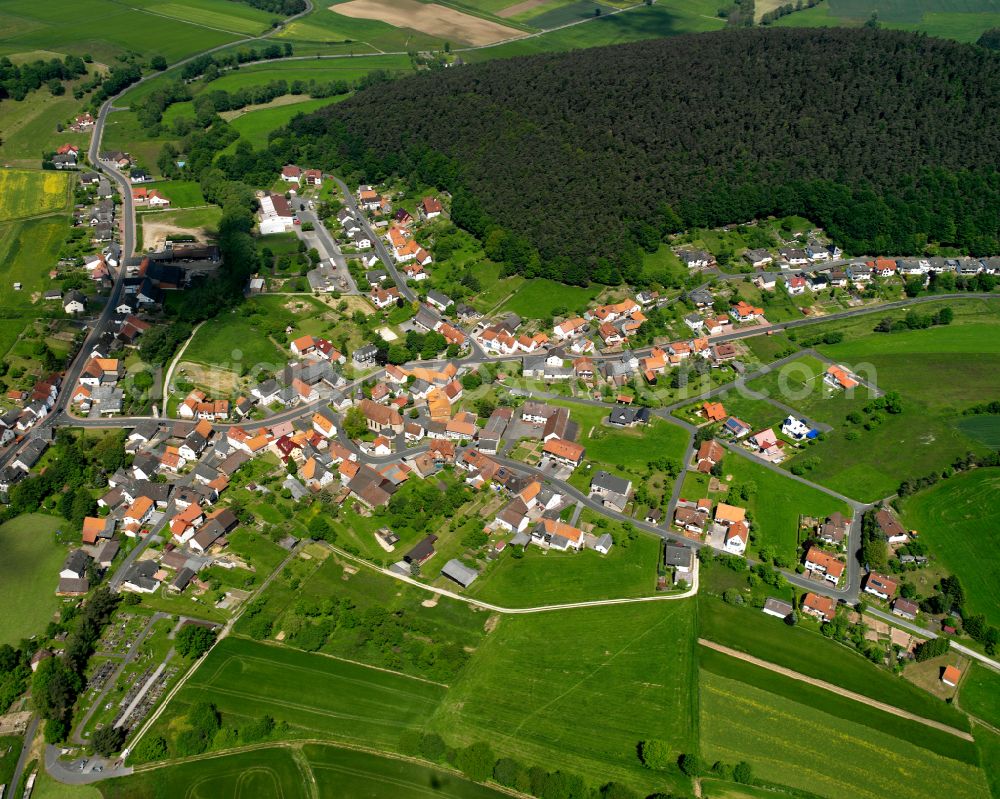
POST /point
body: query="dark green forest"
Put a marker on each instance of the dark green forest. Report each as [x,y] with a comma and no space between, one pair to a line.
[567,165]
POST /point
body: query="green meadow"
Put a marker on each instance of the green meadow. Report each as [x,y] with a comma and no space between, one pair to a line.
[808,652]
[959,521]
[579,689]
[29,574]
[317,695]
[550,578]
[797,744]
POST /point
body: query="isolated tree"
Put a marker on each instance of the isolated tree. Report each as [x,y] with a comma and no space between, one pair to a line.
[690,764]
[655,754]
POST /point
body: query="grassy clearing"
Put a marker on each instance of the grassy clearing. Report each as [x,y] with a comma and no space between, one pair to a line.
[808,652]
[254,126]
[29,572]
[234,339]
[980,693]
[264,773]
[318,696]
[957,518]
[181,193]
[449,626]
[777,504]
[546,578]
[28,250]
[538,298]
[550,689]
[24,193]
[794,744]
[343,772]
[937,741]
[46,787]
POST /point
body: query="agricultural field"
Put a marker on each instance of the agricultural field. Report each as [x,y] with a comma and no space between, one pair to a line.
[548,578]
[639,22]
[29,573]
[984,429]
[318,696]
[28,250]
[799,745]
[808,652]
[25,193]
[344,772]
[105,29]
[988,742]
[980,693]
[957,519]
[540,297]
[947,368]
[270,773]
[432,19]
[963,20]
[549,688]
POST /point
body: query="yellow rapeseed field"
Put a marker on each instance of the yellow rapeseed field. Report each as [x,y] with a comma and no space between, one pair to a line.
[26,193]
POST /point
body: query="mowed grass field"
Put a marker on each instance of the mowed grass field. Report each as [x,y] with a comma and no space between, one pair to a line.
[799,745]
[29,573]
[346,773]
[286,772]
[269,773]
[232,340]
[937,741]
[181,193]
[945,367]
[254,126]
[807,652]
[105,29]
[577,690]
[28,250]
[25,193]
[319,696]
[979,693]
[964,20]
[777,503]
[537,298]
[959,520]
[550,578]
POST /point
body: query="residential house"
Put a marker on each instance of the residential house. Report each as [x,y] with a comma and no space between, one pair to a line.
[879,585]
[758,258]
[568,453]
[905,608]
[613,491]
[821,607]
[709,454]
[839,378]
[823,563]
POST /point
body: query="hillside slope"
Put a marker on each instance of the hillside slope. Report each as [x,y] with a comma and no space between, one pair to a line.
[888,139]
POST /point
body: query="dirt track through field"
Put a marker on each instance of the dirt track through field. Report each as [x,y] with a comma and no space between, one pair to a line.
[835,689]
[429,18]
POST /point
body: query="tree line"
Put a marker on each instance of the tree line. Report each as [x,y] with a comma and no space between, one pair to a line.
[887,139]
